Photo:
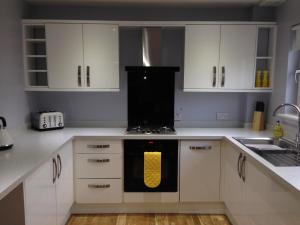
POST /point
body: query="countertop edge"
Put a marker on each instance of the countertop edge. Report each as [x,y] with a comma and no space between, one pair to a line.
[71,135]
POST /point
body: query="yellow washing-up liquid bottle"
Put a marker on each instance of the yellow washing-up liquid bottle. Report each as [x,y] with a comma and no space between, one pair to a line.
[277,130]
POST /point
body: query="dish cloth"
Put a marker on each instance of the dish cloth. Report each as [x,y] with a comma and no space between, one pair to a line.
[152,169]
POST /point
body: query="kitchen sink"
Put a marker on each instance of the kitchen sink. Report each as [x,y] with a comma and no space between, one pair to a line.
[281,153]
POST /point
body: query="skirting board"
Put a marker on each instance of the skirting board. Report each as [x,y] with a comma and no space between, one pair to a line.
[230,217]
[191,208]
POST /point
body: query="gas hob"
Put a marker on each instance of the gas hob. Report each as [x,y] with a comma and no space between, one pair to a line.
[151,130]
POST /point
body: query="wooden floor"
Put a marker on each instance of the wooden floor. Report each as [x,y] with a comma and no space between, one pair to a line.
[148,219]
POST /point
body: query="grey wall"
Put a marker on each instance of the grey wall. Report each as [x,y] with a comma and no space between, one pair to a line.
[284,85]
[13,100]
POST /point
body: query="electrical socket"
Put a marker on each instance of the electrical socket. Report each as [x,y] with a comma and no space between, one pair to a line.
[178,114]
[222,116]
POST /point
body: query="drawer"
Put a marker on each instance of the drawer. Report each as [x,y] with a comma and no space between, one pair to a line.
[199,146]
[98,146]
[97,191]
[99,165]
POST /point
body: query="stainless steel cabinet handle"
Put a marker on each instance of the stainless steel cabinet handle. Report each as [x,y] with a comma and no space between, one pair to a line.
[243,169]
[297,74]
[214,76]
[54,164]
[99,146]
[79,76]
[59,165]
[239,165]
[206,147]
[88,80]
[223,77]
[99,186]
[98,160]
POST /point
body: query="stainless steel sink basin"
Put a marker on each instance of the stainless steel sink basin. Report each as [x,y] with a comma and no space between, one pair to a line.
[286,155]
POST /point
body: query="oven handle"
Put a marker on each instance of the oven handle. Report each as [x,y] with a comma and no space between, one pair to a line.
[204,147]
[98,160]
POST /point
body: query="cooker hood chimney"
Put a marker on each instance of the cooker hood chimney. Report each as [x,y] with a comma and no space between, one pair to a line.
[152,53]
[151,43]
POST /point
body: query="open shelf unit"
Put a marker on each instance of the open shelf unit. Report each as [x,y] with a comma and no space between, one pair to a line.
[265,56]
[35,55]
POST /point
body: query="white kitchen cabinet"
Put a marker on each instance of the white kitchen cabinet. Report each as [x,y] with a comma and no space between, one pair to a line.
[93,191]
[65,55]
[237,56]
[40,196]
[65,183]
[98,166]
[94,146]
[101,55]
[200,171]
[48,192]
[202,46]
[231,182]
[82,56]
[258,199]
[220,57]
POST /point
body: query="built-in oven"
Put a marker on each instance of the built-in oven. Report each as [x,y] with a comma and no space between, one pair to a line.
[134,165]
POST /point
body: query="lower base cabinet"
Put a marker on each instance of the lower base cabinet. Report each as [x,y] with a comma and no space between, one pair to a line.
[93,191]
[258,199]
[98,166]
[48,192]
[200,171]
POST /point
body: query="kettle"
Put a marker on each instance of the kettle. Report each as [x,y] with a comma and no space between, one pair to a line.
[6,142]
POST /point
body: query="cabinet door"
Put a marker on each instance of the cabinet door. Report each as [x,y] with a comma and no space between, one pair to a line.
[202,44]
[200,171]
[40,196]
[64,184]
[237,56]
[64,55]
[231,183]
[101,56]
[266,201]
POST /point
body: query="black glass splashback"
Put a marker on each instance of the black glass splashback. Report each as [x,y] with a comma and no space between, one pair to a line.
[151,96]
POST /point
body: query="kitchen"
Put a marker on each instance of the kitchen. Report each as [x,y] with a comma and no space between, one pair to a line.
[176,86]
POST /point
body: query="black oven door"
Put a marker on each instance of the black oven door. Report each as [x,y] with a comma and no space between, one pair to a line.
[134,165]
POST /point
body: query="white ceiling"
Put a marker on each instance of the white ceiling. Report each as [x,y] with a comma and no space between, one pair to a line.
[166,2]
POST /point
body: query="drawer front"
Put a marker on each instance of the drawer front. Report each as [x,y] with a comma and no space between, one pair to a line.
[99,165]
[199,146]
[97,191]
[98,146]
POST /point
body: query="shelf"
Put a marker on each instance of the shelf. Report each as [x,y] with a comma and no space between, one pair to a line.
[35,40]
[36,56]
[263,88]
[37,71]
[264,57]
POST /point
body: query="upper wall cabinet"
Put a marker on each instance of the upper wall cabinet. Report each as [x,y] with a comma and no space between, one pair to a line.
[237,56]
[224,58]
[202,47]
[77,57]
[65,56]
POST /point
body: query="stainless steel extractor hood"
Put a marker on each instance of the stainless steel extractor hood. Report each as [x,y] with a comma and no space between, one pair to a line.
[152,38]
[152,52]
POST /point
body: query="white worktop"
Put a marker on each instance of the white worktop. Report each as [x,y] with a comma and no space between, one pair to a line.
[32,148]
